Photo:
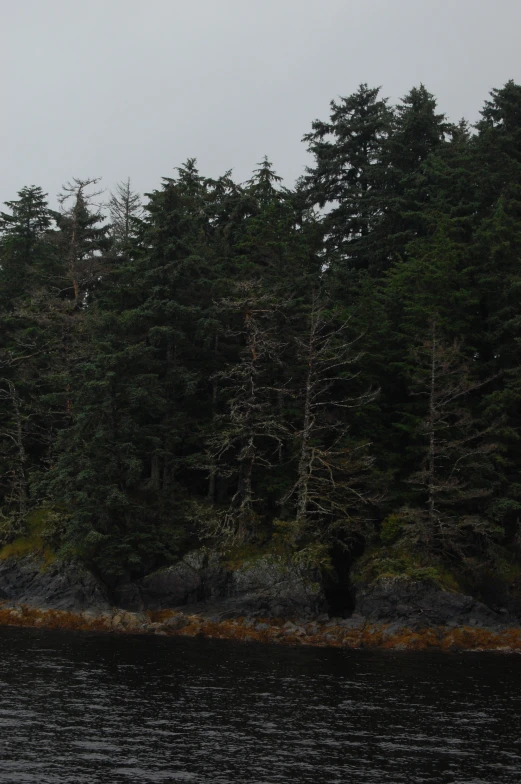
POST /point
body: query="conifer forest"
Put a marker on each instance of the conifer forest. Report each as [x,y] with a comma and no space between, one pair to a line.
[332,371]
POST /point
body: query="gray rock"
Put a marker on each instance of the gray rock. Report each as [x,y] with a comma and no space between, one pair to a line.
[59,585]
[275,586]
[203,583]
[230,614]
[330,637]
[174,623]
[177,585]
[333,622]
[355,622]
[418,604]
[198,577]
[393,629]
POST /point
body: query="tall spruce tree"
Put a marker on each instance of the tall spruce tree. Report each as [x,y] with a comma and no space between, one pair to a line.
[26,259]
[418,132]
[347,176]
[496,252]
[132,410]
[24,242]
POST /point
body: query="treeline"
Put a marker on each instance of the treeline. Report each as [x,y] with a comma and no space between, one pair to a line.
[325,368]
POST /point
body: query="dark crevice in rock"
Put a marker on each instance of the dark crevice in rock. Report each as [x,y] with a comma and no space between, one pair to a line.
[338,589]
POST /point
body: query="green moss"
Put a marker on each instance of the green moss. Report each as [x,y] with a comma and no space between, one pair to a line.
[235,557]
[392,562]
[21,547]
[315,555]
[43,530]
[391,530]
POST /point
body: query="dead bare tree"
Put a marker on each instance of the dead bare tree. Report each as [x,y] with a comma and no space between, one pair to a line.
[331,495]
[124,206]
[83,240]
[247,436]
[84,244]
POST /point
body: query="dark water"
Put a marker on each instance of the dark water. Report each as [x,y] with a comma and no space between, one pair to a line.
[81,708]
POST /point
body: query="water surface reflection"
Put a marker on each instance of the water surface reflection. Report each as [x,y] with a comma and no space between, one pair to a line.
[92,708]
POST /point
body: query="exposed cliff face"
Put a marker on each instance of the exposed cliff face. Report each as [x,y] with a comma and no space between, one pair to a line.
[57,586]
[267,585]
[418,604]
[204,584]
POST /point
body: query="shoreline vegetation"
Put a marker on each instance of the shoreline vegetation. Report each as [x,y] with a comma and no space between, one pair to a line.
[351,633]
[318,380]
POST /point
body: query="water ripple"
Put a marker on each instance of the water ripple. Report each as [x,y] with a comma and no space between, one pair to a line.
[96,709]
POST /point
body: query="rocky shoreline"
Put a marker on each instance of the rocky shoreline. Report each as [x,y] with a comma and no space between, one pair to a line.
[267,599]
[349,633]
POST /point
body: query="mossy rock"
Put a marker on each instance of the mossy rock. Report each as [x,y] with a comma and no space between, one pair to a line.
[393,562]
[44,528]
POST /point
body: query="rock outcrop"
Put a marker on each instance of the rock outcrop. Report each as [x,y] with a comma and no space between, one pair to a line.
[273,586]
[418,604]
[204,584]
[58,585]
[267,585]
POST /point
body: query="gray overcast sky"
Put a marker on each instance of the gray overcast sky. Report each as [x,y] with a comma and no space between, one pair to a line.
[118,88]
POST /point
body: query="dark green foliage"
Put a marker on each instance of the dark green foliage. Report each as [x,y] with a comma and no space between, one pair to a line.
[25,243]
[418,134]
[348,175]
[320,368]
[27,261]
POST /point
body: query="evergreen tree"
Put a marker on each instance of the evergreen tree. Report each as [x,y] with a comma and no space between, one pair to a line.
[24,243]
[418,132]
[131,407]
[347,175]
[456,473]
[26,257]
